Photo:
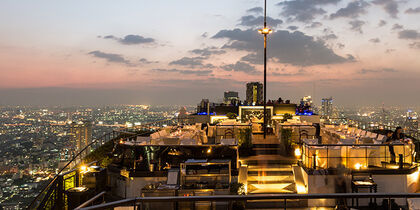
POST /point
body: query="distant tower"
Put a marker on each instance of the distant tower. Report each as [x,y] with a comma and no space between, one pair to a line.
[81,134]
[204,106]
[254,93]
[231,97]
[412,124]
[182,117]
[326,108]
[306,101]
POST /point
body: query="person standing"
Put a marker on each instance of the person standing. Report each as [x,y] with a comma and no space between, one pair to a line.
[388,140]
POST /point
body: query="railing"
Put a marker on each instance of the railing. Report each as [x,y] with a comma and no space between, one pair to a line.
[93,199]
[52,195]
[356,156]
[228,131]
[139,202]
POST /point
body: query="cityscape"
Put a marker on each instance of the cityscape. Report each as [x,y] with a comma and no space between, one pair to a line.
[245,104]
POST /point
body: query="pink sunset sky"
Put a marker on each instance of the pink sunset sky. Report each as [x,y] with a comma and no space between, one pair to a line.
[108,52]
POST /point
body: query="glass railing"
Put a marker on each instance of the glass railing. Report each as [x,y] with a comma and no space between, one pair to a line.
[358,156]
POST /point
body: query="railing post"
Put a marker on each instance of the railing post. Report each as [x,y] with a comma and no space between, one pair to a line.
[389,203]
[285,204]
[314,161]
[400,161]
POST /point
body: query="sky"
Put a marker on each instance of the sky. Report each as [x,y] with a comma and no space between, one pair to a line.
[177,52]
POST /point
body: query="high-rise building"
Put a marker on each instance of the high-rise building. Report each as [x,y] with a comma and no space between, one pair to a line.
[81,134]
[306,101]
[231,97]
[254,93]
[412,124]
[326,108]
[204,106]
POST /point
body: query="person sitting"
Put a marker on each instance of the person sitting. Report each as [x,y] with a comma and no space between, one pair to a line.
[398,134]
[388,140]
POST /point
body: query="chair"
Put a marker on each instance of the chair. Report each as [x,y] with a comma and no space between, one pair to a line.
[373,135]
[380,138]
[360,180]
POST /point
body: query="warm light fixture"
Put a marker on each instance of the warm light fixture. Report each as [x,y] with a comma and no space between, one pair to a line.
[298,152]
[358,166]
[265,31]
[209,150]
[83,168]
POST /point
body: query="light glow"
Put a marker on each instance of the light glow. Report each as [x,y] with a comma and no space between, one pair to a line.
[265,31]
[298,152]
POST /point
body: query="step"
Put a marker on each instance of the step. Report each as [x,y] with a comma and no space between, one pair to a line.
[276,204]
[267,145]
[270,162]
[266,151]
[267,178]
[270,173]
[271,167]
[277,188]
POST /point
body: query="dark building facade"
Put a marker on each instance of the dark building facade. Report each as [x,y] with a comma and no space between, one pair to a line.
[254,93]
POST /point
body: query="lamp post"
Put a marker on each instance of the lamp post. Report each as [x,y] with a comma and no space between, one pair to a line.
[265,31]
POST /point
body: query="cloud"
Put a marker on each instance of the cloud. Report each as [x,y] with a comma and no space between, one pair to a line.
[131,39]
[329,36]
[303,10]
[353,10]
[110,57]
[145,61]
[288,74]
[208,51]
[240,67]
[375,40]
[253,58]
[205,35]
[293,28]
[314,25]
[356,25]
[390,6]
[397,26]
[250,20]
[185,72]
[389,50]
[409,34]
[415,45]
[384,70]
[191,62]
[413,11]
[382,23]
[286,47]
[351,58]
[256,10]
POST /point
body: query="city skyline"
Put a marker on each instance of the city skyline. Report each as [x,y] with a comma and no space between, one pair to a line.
[100,52]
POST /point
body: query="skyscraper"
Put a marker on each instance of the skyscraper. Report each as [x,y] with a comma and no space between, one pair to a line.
[326,108]
[306,101]
[412,124]
[254,93]
[81,134]
[231,97]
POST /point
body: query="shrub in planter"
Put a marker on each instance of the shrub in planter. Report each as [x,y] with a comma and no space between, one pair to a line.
[245,142]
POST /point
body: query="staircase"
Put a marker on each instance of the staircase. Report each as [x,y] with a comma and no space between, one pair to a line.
[269,172]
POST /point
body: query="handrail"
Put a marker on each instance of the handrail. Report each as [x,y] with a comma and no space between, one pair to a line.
[91,200]
[140,200]
[123,130]
[62,169]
